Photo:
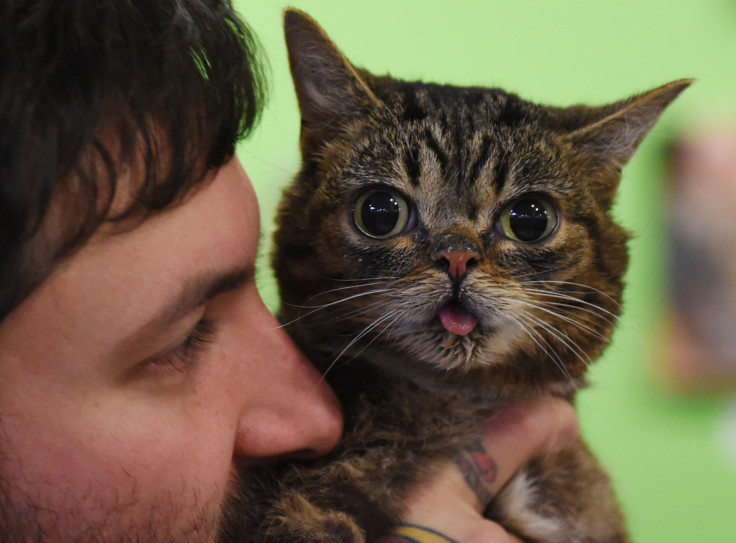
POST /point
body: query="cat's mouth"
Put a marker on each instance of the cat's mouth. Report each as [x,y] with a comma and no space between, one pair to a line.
[456,319]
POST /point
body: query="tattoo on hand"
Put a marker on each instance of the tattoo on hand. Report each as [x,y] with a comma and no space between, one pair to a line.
[479,471]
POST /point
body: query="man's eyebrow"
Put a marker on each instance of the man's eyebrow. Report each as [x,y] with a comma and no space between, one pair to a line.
[193,294]
[200,290]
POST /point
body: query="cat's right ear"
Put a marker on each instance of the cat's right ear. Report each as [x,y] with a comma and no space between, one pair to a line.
[609,135]
[328,87]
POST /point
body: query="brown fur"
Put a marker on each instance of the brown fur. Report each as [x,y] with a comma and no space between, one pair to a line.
[366,310]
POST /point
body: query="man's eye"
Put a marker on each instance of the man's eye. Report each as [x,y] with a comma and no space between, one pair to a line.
[186,355]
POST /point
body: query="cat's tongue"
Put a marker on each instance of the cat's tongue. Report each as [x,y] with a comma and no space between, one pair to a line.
[457,320]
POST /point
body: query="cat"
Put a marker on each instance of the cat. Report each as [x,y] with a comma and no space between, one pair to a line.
[443,252]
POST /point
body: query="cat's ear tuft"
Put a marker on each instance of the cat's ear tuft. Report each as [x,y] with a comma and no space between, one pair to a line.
[328,87]
[608,136]
[613,132]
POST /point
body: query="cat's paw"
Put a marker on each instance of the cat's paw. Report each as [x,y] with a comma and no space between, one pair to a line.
[340,527]
[300,521]
[564,497]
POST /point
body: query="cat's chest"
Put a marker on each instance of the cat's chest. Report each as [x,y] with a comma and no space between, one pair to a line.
[382,408]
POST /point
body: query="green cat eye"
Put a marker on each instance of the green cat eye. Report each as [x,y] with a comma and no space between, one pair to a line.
[528,219]
[381,213]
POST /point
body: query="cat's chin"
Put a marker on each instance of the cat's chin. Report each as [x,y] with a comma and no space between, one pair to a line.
[458,351]
[445,349]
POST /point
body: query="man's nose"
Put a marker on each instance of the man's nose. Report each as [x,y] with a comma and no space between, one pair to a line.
[296,414]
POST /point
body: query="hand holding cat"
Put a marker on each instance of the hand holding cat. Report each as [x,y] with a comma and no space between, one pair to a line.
[451,503]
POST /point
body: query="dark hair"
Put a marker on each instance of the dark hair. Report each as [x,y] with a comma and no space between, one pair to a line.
[90,89]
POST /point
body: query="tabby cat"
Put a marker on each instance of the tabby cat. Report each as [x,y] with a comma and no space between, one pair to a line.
[442,252]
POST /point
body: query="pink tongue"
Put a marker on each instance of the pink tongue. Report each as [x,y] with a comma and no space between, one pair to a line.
[457,320]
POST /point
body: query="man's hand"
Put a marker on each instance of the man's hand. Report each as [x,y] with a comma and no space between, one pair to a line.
[449,506]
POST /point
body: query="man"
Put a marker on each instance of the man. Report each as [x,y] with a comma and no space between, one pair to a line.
[141,377]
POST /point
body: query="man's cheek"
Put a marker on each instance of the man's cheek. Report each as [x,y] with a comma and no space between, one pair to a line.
[77,497]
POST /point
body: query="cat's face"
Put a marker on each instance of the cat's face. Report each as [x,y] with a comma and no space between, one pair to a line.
[463,228]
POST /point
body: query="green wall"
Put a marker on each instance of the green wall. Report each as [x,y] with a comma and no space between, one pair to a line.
[675,482]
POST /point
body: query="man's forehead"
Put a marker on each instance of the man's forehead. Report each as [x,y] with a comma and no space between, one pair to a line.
[170,259]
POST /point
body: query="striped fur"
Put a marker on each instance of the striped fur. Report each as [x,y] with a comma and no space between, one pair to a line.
[366,310]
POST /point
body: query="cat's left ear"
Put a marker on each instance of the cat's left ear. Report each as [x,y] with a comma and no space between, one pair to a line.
[610,134]
[329,89]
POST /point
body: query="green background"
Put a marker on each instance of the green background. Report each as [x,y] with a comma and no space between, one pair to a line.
[674,477]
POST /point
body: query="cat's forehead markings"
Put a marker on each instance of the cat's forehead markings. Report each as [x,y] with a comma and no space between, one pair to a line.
[485,150]
[431,168]
[412,164]
[414,109]
[500,171]
[433,142]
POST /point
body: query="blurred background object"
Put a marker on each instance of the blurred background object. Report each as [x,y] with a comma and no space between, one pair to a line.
[699,337]
[672,455]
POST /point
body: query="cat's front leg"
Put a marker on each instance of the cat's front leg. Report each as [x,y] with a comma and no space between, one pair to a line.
[564,496]
[296,519]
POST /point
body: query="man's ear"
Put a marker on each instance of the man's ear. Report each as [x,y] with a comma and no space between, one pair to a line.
[328,87]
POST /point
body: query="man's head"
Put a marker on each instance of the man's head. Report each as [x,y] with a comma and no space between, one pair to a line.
[89,89]
[140,373]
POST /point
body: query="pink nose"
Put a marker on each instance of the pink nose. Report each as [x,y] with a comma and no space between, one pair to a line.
[457,261]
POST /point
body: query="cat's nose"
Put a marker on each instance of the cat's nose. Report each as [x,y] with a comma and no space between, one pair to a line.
[456,253]
[457,262]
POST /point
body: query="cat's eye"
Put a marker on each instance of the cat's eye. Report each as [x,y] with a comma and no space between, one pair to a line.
[528,219]
[381,213]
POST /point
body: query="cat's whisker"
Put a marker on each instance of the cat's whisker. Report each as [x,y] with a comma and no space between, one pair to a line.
[355,312]
[340,289]
[574,303]
[586,288]
[573,347]
[376,279]
[576,323]
[537,338]
[569,320]
[361,310]
[614,320]
[397,316]
[394,314]
[315,308]
[546,348]
[528,323]
[595,311]
[624,323]
[365,331]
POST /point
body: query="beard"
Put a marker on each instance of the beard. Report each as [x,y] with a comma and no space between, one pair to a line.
[23,521]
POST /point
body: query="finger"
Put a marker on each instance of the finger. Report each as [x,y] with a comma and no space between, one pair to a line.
[516,436]
[486,531]
[525,431]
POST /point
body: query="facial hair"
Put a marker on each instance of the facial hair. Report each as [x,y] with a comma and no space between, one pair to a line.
[224,523]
